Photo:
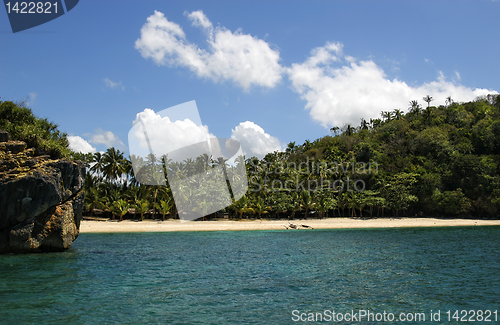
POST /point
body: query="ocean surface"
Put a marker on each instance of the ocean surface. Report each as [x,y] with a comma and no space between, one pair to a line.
[259,277]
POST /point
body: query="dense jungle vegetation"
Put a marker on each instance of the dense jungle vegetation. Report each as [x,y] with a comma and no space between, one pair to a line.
[439,161]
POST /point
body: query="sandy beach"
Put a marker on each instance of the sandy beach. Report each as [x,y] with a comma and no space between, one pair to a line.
[88,226]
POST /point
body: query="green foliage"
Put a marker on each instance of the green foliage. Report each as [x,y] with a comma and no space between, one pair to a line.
[37,132]
[119,208]
[451,203]
[86,158]
[441,161]
[397,191]
[165,206]
[142,207]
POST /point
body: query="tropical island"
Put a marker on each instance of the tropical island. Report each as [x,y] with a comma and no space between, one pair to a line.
[434,161]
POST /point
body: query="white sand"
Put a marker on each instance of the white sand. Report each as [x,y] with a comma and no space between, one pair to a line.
[332,223]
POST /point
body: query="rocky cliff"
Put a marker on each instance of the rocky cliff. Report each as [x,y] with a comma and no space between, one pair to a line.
[41,199]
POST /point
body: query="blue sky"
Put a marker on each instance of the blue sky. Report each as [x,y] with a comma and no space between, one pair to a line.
[263,72]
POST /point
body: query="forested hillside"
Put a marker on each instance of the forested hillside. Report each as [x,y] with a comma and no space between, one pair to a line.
[432,161]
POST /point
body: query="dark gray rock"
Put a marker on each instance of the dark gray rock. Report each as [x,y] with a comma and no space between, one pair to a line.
[41,202]
[4,136]
[12,147]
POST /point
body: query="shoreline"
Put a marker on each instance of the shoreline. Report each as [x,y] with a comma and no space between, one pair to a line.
[90,226]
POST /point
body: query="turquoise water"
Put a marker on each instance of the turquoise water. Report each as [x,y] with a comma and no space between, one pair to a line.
[253,277]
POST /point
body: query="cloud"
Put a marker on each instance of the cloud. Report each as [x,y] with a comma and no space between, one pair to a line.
[184,138]
[200,20]
[339,89]
[107,138]
[254,140]
[113,85]
[166,136]
[78,144]
[241,58]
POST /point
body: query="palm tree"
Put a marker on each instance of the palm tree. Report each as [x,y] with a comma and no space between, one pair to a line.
[415,107]
[349,130]
[307,202]
[165,207]
[98,163]
[322,203]
[114,165]
[295,204]
[382,186]
[341,203]
[364,124]
[398,114]
[371,199]
[92,199]
[428,99]
[307,145]
[128,171]
[291,146]
[361,202]
[350,203]
[119,208]
[335,130]
[202,163]
[260,207]
[375,123]
[142,207]
[387,116]
[248,211]
[448,100]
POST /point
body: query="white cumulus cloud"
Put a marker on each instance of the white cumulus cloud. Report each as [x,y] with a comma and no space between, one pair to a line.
[106,138]
[254,140]
[339,89]
[200,20]
[165,135]
[241,58]
[78,144]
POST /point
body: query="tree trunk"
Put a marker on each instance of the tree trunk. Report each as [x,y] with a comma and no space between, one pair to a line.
[154,204]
